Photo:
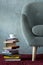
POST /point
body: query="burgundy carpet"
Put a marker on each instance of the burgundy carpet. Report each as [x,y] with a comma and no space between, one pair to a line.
[25,60]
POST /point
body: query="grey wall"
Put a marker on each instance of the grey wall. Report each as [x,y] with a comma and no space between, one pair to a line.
[10,22]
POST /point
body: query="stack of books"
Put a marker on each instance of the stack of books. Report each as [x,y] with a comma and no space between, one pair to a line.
[11,52]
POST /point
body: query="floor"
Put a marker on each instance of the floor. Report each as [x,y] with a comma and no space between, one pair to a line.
[25,60]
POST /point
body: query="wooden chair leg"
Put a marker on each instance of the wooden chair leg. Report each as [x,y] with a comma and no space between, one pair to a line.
[34,50]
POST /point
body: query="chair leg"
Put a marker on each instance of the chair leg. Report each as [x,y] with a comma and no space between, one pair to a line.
[34,50]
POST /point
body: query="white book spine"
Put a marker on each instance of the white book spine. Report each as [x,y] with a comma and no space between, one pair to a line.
[12,59]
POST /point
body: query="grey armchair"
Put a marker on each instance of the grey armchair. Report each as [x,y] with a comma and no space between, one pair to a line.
[32,25]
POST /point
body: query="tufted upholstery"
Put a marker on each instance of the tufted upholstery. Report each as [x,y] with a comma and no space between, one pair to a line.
[38,30]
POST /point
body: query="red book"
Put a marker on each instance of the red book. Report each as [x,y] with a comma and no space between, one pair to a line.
[15,47]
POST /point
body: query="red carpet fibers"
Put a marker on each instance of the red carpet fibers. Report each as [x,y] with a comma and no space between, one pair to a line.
[25,60]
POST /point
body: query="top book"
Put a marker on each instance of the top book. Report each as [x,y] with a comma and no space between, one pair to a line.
[11,41]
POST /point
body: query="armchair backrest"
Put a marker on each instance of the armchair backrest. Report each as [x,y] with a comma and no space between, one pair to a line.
[34,13]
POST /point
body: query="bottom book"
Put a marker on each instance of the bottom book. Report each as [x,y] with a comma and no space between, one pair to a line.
[12,59]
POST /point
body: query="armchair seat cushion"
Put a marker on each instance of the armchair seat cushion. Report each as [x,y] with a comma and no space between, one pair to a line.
[37,41]
[38,30]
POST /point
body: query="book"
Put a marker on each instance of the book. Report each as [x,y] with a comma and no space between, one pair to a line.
[10,52]
[12,59]
[10,44]
[14,52]
[15,55]
[5,54]
[10,41]
[12,47]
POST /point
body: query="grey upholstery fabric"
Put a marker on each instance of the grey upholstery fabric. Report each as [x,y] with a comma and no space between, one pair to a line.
[38,30]
[32,15]
[37,41]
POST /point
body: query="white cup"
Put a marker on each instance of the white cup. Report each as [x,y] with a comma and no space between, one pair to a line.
[11,35]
